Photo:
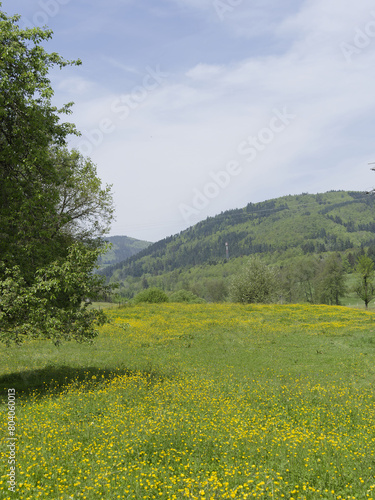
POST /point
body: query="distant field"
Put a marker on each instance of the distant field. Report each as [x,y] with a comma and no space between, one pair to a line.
[212,401]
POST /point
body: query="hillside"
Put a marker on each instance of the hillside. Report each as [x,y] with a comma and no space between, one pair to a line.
[280,228]
[123,247]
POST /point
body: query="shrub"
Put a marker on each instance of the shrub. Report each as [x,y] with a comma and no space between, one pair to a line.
[152,296]
[216,290]
[186,296]
[256,283]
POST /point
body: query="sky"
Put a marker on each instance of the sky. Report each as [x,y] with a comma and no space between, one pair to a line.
[193,107]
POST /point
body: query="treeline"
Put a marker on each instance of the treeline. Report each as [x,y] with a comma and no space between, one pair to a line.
[303,278]
[316,282]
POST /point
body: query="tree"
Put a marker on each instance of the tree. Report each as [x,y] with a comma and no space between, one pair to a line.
[256,283]
[364,287]
[84,209]
[145,284]
[306,271]
[331,281]
[29,127]
[53,209]
[216,290]
[297,280]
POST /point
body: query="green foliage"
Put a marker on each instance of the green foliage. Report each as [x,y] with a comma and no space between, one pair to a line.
[53,209]
[256,283]
[185,296]
[216,290]
[152,296]
[54,305]
[30,127]
[305,271]
[85,208]
[331,281]
[83,211]
[315,280]
[365,287]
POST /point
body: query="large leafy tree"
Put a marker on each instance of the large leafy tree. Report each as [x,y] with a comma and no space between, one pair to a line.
[53,209]
[85,208]
[29,127]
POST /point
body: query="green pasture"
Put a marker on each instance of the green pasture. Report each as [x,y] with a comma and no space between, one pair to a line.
[201,401]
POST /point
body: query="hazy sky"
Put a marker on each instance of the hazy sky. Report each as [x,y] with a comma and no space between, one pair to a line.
[193,107]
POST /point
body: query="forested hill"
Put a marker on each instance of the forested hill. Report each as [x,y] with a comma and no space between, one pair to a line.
[122,248]
[333,221]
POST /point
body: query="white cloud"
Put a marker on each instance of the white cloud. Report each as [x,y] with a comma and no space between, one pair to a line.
[204,72]
[75,86]
[193,123]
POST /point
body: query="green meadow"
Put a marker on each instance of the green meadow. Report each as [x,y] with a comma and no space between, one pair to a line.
[201,401]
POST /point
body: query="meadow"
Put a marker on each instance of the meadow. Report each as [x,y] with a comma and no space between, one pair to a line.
[200,401]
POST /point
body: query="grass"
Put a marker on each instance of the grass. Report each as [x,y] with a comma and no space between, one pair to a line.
[212,401]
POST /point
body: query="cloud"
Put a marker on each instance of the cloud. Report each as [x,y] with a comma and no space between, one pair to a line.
[192,124]
[75,86]
[204,72]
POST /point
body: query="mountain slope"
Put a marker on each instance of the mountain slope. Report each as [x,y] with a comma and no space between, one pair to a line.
[122,248]
[333,221]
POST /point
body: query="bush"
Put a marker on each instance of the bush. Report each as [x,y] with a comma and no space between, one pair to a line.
[186,296]
[152,296]
[256,283]
[216,290]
